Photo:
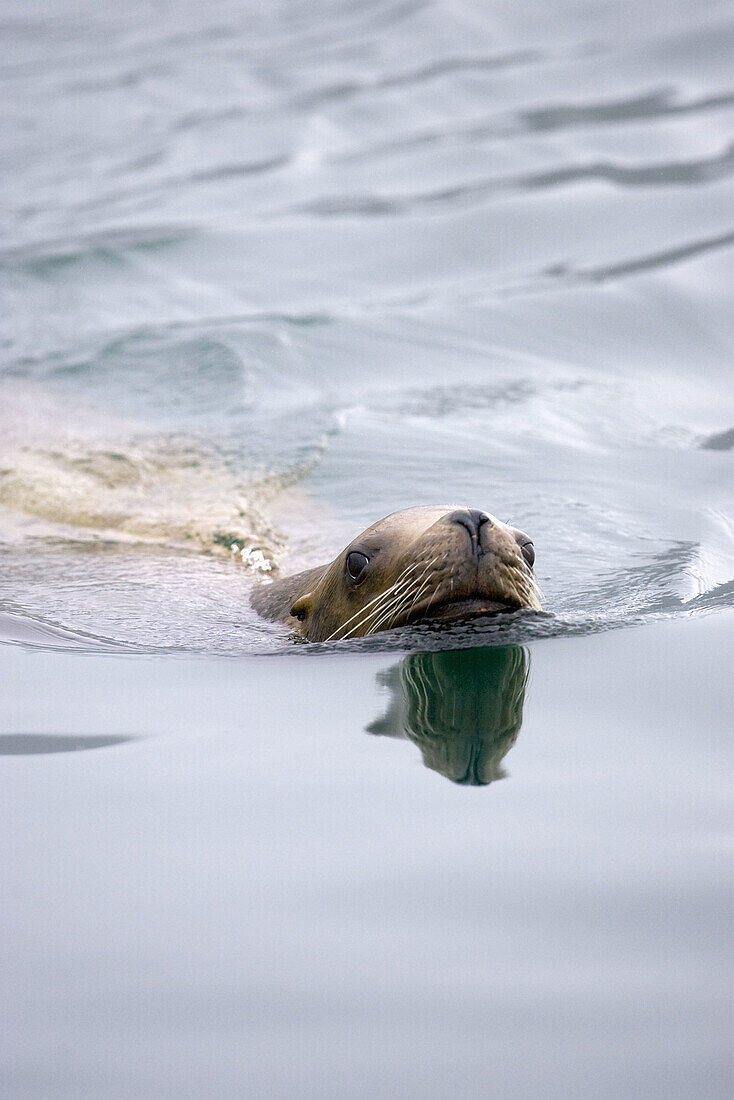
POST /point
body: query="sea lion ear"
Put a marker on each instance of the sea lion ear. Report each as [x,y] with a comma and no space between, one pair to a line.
[302,607]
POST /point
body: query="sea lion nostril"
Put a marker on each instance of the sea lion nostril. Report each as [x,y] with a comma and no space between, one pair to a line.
[473,520]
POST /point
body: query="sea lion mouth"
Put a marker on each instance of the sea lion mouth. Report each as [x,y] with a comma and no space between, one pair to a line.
[472,607]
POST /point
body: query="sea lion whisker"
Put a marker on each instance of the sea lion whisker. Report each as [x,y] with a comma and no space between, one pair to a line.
[387,601]
[420,591]
[403,605]
[382,600]
[381,596]
[412,593]
[433,596]
[431,563]
[390,610]
[532,599]
[531,591]
[361,616]
[395,607]
[358,615]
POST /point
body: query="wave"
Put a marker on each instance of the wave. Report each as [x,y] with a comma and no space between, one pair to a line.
[638,264]
[510,125]
[39,256]
[20,627]
[719,441]
[689,173]
[661,103]
[424,74]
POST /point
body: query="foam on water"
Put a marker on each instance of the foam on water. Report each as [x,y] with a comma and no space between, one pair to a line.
[91,477]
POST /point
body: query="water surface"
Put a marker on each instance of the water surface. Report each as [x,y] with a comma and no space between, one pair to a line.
[267,892]
[270,274]
[267,273]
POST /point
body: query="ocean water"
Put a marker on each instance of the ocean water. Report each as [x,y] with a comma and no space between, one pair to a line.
[267,273]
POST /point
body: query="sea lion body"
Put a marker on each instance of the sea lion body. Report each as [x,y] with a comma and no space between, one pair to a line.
[430,563]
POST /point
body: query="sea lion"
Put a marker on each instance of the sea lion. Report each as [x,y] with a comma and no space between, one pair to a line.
[429,563]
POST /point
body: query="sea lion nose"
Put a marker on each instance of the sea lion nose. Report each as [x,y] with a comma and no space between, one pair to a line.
[473,520]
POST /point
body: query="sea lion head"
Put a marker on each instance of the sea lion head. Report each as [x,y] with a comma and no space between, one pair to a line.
[436,564]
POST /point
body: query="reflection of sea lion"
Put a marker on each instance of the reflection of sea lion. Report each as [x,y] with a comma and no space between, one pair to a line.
[463,708]
[426,563]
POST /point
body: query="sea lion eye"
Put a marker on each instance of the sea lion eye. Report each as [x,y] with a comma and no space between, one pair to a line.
[356,564]
[528,552]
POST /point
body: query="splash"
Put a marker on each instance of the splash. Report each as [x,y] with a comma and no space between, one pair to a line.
[109,481]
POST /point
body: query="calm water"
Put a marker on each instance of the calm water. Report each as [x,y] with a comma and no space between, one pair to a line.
[268,272]
[248,889]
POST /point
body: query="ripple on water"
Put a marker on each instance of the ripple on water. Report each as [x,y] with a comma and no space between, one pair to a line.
[270,274]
